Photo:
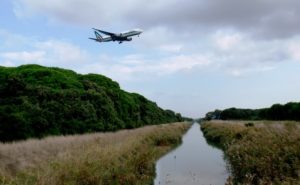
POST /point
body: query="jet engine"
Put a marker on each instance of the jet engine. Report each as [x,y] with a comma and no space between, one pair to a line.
[129,39]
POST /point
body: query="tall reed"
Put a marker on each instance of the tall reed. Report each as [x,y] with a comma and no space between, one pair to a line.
[123,157]
[262,152]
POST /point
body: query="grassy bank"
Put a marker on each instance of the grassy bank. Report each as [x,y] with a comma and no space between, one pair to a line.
[123,157]
[261,152]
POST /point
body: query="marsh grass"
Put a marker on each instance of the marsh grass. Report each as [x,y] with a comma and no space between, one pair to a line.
[123,157]
[265,153]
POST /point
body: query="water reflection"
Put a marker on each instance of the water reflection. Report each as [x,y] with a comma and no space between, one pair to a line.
[193,163]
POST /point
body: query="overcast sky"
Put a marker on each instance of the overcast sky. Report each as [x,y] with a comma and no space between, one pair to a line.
[193,57]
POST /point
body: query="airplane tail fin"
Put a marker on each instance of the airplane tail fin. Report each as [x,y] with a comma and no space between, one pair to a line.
[98,36]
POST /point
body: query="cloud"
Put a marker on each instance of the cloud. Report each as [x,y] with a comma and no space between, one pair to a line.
[91,11]
[240,38]
[171,47]
[23,50]
[11,40]
[182,63]
[228,52]
[141,68]
[8,63]
[294,50]
[125,67]
[238,55]
[161,39]
[32,56]
[260,18]
[62,53]
[227,41]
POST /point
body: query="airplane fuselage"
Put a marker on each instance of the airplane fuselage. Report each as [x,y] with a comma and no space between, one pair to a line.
[124,36]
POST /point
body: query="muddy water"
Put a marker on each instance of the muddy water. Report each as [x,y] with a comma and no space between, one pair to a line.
[194,162]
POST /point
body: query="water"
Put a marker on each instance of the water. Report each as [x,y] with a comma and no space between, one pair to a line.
[192,163]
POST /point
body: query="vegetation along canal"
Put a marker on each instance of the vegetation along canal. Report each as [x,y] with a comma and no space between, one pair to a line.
[194,162]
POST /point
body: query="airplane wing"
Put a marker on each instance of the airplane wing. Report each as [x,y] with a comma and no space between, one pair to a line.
[105,32]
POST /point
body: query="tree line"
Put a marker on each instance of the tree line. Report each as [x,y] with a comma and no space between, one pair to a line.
[37,101]
[289,111]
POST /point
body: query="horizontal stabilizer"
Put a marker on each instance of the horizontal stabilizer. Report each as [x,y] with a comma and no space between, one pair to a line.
[95,39]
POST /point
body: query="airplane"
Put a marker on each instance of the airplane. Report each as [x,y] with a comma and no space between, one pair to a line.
[124,36]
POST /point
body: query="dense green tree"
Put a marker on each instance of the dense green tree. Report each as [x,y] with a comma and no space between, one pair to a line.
[37,101]
[289,111]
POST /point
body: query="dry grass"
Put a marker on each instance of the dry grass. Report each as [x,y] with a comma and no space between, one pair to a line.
[265,153]
[123,157]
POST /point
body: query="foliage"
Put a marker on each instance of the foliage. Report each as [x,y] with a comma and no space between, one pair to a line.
[289,111]
[37,101]
[264,153]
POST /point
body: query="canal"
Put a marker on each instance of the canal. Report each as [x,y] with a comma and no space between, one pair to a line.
[194,162]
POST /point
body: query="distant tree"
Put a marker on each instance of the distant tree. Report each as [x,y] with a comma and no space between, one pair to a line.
[289,111]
